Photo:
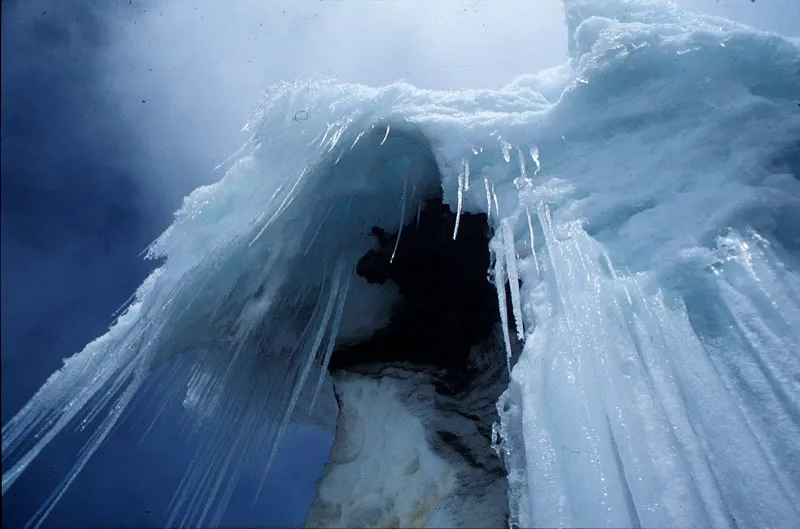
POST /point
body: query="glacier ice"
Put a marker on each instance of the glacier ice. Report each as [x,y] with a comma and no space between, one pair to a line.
[646,195]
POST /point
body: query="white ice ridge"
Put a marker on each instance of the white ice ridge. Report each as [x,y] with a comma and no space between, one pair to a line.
[659,274]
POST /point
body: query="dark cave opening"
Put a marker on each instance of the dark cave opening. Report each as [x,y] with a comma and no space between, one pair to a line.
[448,303]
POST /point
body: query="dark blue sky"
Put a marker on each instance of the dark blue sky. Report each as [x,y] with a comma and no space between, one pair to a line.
[81,197]
[75,214]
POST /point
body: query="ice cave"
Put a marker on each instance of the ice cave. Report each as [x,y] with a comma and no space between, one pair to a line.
[570,302]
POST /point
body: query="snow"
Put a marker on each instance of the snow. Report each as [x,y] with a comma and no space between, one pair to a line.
[391,465]
[656,243]
[379,436]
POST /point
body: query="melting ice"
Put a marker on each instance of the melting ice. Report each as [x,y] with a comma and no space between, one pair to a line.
[645,204]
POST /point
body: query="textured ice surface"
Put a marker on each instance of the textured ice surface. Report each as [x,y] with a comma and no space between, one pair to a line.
[410,454]
[647,195]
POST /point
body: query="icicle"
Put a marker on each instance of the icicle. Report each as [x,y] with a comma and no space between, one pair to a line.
[500,286]
[419,213]
[385,136]
[513,276]
[290,196]
[496,203]
[466,174]
[355,141]
[334,332]
[460,202]
[312,353]
[533,247]
[553,245]
[337,135]
[402,219]
[325,136]
[488,197]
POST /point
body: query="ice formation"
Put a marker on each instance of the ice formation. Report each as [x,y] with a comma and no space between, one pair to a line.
[435,465]
[646,195]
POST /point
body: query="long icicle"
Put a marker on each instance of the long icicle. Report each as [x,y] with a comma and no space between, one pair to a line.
[402,219]
[460,203]
[500,286]
[312,354]
[533,245]
[513,276]
[337,321]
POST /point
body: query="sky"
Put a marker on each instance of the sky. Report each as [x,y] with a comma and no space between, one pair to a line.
[113,110]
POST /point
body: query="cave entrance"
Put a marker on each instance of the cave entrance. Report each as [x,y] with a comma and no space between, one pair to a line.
[447,303]
[444,326]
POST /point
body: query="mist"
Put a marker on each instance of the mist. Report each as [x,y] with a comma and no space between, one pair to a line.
[113,111]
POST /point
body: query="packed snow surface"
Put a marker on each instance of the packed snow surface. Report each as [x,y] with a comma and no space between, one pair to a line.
[409,453]
[379,436]
[645,198]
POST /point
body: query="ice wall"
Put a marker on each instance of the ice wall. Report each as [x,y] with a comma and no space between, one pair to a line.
[657,245]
